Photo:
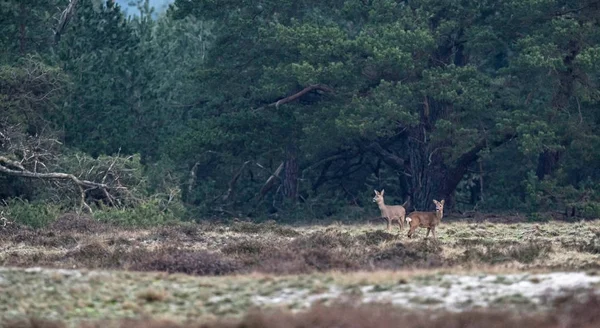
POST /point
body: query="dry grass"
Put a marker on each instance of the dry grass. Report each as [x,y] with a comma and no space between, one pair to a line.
[241,248]
[264,259]
[567,315]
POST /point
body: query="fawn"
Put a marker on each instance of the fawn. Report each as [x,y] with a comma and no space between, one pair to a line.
[390,213]
[428,220]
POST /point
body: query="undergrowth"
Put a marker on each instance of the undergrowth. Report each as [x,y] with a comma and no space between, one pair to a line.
[243,247]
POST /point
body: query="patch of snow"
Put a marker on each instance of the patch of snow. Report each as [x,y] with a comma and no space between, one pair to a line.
[64,272]
[451,292]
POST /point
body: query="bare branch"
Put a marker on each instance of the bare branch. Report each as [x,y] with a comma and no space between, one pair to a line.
[234,180]
[12,163]
[52,175]
[387,157]
[65,16]
[301,93]
[4,220]
[269,184]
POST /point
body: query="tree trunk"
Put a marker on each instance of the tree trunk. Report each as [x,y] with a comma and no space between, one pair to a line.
[22,29]
[548,160]
[290,180]
[547,163]
[429,177]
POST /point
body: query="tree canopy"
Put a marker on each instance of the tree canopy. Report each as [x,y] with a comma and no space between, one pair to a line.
[305,107]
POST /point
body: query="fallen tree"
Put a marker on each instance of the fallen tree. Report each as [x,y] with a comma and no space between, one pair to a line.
[68,177]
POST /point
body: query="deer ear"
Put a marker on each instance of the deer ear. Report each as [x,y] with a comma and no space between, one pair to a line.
[382,191]
[376,193]
[443,201]
[435,201]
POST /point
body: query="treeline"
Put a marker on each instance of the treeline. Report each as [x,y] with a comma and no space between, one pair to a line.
[301,108]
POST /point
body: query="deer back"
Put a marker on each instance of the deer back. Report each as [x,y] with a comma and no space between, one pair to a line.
[395,211]
[423,219]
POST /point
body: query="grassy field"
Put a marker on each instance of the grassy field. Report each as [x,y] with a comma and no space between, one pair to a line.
[210,271]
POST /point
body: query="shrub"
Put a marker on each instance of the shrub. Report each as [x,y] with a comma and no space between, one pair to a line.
[328,239]
[145,214]
[246,247]
[377,237]
[265,227]
[498,253]
[96,255]
[174,260]
[421,253]
[73,222]
[34,214]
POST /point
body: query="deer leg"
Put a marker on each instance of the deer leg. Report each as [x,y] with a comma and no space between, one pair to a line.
[427,235]
[400,224]
[433,232]
[389,223]
[411,231]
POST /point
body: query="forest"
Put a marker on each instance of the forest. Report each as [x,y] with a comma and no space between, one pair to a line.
[224,163]
[298,110]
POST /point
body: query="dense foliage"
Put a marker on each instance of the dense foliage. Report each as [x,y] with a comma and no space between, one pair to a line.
[305,107]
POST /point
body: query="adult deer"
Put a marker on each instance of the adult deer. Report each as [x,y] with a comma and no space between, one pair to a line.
[429,220]
[391,212]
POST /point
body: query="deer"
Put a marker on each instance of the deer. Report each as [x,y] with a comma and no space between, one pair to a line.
[392,212]
[429,220]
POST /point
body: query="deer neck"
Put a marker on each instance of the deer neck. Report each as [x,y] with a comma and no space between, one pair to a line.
[439,214]
[381,205]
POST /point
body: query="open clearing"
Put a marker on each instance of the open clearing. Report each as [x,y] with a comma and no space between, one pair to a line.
[80,269]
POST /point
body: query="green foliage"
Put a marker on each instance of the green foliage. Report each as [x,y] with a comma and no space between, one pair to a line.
[146,214]
[27,27]
[30,93]
[37,214]
[550,193]
[491,104]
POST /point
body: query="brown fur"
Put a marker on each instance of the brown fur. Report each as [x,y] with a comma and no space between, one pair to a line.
[429,220]
[390,213]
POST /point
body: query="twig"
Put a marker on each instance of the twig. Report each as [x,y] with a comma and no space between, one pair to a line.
[270,181]
[234,180]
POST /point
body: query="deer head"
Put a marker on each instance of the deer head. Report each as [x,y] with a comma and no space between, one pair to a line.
[378,196]
[439,206]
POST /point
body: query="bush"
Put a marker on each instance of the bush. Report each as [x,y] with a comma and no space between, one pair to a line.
[498,253]
[377,237]
[421,253]
[174,260]
[34,214]
[146,214]
[246,247]
[73,222]
[96,255]
[265,227]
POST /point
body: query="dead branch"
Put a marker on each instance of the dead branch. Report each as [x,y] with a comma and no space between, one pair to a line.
[58,176]
[301,93]
[271,181]
[12,163]
[4,220]
[53,175]
[386,156]
[65,16]
[192,179]
[234,181]
[325,160]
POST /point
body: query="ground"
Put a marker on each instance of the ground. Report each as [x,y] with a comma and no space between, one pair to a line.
[78,269]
